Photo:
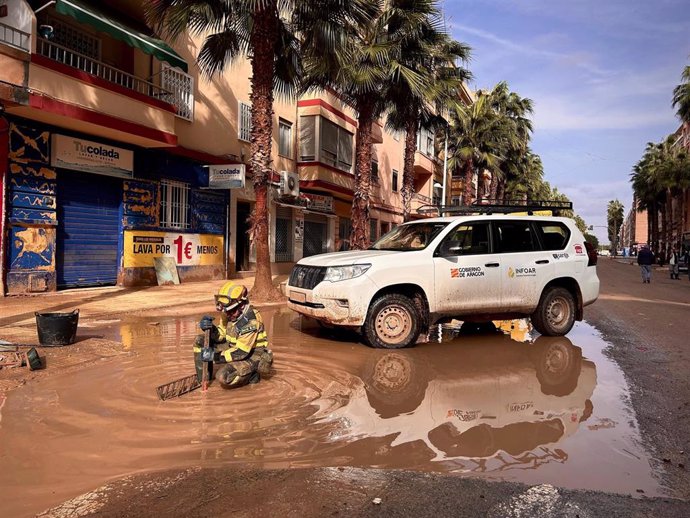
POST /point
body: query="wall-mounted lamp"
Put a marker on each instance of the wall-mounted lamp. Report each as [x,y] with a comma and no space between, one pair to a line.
[46,31]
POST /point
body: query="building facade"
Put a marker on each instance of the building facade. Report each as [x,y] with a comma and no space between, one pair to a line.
[123,165]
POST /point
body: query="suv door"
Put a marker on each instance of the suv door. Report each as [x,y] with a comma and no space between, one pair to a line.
[466,272]
[525,268]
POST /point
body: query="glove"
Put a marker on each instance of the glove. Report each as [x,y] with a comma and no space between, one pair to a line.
[206,323]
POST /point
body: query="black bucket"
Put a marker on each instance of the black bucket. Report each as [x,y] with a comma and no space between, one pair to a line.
[57,328]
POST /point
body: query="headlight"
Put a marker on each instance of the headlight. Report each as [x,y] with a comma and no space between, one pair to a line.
[343,273]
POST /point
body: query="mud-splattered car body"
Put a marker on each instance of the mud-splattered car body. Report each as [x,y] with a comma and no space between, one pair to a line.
[478,268]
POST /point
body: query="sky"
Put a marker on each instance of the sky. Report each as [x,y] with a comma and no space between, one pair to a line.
[601,74]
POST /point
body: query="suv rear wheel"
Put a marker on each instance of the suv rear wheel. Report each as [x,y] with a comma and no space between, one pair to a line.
[555,314]
[392,322]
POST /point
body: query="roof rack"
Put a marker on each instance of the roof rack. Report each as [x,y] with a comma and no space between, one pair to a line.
[498,207]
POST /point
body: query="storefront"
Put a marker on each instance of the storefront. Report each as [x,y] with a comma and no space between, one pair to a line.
[84,212]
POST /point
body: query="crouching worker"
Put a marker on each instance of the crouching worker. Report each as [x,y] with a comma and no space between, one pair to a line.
[239,341]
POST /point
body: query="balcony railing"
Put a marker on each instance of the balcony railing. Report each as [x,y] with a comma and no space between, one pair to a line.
[91,66]
[15,37]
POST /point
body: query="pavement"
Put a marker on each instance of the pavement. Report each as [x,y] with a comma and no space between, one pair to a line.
[17,312]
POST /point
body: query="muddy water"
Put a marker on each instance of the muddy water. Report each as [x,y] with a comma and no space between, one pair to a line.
[496,405]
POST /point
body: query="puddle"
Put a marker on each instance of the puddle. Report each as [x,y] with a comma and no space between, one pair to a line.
[484,404]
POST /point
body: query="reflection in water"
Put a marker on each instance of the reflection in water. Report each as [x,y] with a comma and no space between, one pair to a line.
[483,401]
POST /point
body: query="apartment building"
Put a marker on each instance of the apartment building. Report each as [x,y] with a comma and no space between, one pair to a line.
[124,165]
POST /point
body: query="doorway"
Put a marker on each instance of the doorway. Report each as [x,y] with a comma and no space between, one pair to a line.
[242,238]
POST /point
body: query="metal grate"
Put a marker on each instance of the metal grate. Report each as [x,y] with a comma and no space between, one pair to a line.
[181,86]
[314,238]
[174,204]
[306,277]
[245,121]
[283,241]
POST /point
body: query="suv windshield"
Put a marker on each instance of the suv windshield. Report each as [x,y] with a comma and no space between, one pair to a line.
[415,236]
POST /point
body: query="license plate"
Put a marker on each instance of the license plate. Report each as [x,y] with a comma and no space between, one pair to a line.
[297,296]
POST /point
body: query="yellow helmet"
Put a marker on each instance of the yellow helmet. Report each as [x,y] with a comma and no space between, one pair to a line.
[230,295]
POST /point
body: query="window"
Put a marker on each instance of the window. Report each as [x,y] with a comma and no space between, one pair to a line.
[470,239]
[455,200]
[245,122]
[285,138]
[76,39]
[554,236]
[336,145]
[395,181]
[514,236]
[307,138]
[385,228]
[374,172]
[373,227]
[425,141]
[174,204]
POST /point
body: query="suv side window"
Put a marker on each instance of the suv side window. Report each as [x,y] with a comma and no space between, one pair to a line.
[514,236]
[553,235]
[470,238]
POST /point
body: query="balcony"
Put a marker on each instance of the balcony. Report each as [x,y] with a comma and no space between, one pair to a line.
[423,165]
[419,200]
[15,38]
[73,59]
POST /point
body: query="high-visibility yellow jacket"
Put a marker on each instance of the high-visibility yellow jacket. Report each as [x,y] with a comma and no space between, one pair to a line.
[243,335]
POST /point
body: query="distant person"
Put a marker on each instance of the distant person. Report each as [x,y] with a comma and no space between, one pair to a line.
[674,263]
[645,258]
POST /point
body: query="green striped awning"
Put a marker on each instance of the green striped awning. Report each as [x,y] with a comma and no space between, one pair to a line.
[102,22]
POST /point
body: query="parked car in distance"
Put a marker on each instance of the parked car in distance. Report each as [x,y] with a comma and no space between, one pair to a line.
[472,267]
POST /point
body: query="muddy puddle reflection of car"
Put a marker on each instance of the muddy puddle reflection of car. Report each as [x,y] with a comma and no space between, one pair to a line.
[480,402]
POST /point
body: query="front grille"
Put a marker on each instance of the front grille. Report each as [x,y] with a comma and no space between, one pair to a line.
[306,277]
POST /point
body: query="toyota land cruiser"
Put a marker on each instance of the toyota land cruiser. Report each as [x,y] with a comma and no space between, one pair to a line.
[475,268]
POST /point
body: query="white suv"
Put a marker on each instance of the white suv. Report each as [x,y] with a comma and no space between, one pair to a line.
[475,268]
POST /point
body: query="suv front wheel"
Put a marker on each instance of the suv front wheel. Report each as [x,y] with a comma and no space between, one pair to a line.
[392,322]
[555,314]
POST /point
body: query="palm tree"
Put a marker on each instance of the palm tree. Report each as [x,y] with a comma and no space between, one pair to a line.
[475,139]
[433,55]
[681,97]
[614,211]
[516,111]
[265,32]
[360,71]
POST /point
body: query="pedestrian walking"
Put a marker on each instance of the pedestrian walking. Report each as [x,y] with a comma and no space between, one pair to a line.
[674,263]
[645,258]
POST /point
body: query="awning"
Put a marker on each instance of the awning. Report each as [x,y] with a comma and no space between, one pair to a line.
[106,23]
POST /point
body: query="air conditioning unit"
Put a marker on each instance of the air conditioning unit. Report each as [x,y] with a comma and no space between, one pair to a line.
[289,184]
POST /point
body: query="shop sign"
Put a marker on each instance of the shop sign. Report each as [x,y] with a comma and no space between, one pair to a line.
[319,202]
[226,176]
[91,157]
[142,247]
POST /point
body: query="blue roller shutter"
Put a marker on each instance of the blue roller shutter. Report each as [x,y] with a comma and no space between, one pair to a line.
[88,229]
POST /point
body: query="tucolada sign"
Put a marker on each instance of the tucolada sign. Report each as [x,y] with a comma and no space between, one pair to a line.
[91,157]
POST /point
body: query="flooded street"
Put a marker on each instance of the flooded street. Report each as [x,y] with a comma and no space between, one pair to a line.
[485,404]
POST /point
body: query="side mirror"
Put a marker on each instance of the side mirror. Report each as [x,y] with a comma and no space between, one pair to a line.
[450,249]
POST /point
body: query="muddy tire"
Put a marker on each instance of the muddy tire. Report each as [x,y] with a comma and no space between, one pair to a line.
[392,322]
[558,364]
[555,314]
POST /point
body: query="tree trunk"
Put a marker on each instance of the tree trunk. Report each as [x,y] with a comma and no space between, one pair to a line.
[359,234]
[468,196]
[263,35]
[408,168]
[494,188]
[501,191]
